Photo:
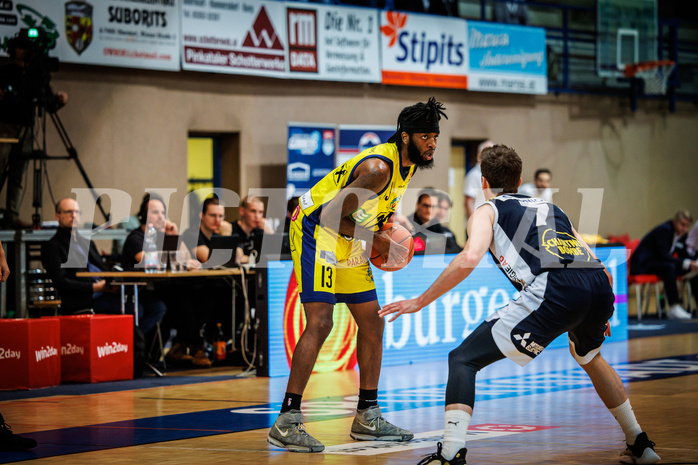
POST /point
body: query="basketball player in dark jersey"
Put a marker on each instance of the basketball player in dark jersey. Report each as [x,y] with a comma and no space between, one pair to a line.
[563,288]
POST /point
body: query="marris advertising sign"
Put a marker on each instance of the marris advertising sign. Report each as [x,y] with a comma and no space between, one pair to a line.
[507,58]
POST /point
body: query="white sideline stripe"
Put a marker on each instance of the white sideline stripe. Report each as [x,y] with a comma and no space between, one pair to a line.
[420,441]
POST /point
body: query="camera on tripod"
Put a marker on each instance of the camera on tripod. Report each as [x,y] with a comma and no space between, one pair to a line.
[30,46]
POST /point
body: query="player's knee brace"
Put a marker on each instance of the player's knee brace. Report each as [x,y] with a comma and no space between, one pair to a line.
[476,352]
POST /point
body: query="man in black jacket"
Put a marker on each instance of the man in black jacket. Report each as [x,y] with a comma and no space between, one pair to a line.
[174,297]
[663,252]
[80,254]
[430,236]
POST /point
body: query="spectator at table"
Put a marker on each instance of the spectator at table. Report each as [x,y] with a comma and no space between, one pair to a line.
[152,211]
[251,226]
[214,304]
[187,346]
[198,240]
[67,253]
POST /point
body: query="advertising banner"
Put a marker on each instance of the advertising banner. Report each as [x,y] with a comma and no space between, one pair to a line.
[234,36]
[506,58]
[126,33]
[332,43]
[311,152]
[354,139]
[30,353]
[96,348]
[424,336]
[424,50]
[32,14]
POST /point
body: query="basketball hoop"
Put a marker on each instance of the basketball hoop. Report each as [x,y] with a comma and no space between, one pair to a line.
[655,75]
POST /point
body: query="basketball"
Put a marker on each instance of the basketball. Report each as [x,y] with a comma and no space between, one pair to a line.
[403,237]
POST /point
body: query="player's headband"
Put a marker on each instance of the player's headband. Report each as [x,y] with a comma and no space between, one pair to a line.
[421,117]
[419,126]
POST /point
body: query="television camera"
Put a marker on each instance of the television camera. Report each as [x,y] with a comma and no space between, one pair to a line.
[30,89]
[27,97]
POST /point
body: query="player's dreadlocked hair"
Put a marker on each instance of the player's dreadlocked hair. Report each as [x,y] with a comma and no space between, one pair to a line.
[420,117]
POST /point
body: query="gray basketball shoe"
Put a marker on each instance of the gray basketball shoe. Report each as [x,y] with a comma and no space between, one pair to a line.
[369,425]
[289,432]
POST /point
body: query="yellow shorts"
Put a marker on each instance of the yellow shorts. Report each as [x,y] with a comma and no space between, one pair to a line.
[328,267]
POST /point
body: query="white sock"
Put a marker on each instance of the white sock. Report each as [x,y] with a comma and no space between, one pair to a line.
[626,419]
[455,429]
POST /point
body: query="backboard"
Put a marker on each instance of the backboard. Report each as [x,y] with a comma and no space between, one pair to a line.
[626,33]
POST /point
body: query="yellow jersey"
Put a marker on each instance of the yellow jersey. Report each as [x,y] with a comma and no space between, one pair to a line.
[373,213]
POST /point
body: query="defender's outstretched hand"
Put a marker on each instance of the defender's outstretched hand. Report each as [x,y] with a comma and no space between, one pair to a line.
[403,306]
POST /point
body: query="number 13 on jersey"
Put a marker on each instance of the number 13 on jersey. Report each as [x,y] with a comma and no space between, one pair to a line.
[325,278]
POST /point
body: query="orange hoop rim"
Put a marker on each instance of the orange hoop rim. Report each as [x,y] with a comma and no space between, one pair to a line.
[632,69]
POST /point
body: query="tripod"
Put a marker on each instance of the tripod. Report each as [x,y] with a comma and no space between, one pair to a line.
[40,156]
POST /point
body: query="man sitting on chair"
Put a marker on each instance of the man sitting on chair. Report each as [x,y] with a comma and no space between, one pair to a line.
[173,297]
[663,252]
[76,293]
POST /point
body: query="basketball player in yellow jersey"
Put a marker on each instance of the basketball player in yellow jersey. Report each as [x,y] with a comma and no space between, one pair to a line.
[351,202]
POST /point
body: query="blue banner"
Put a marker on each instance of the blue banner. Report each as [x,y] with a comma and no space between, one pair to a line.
[311,153]
[427,335]
[355,139]
[507,58]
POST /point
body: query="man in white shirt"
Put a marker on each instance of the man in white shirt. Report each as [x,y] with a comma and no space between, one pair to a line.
[473,183]
[540,187]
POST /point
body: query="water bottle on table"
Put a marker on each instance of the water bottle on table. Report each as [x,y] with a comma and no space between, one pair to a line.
[151,257]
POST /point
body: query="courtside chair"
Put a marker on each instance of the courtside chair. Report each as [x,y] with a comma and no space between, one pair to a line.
[643,284]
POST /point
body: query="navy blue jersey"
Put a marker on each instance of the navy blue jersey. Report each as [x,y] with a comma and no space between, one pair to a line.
[532,236]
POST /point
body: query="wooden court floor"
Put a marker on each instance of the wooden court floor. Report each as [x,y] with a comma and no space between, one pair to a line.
[545,413]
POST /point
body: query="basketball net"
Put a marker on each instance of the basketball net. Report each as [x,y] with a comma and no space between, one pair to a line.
[654,74]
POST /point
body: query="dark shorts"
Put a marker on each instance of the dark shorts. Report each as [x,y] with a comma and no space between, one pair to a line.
[578,302]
